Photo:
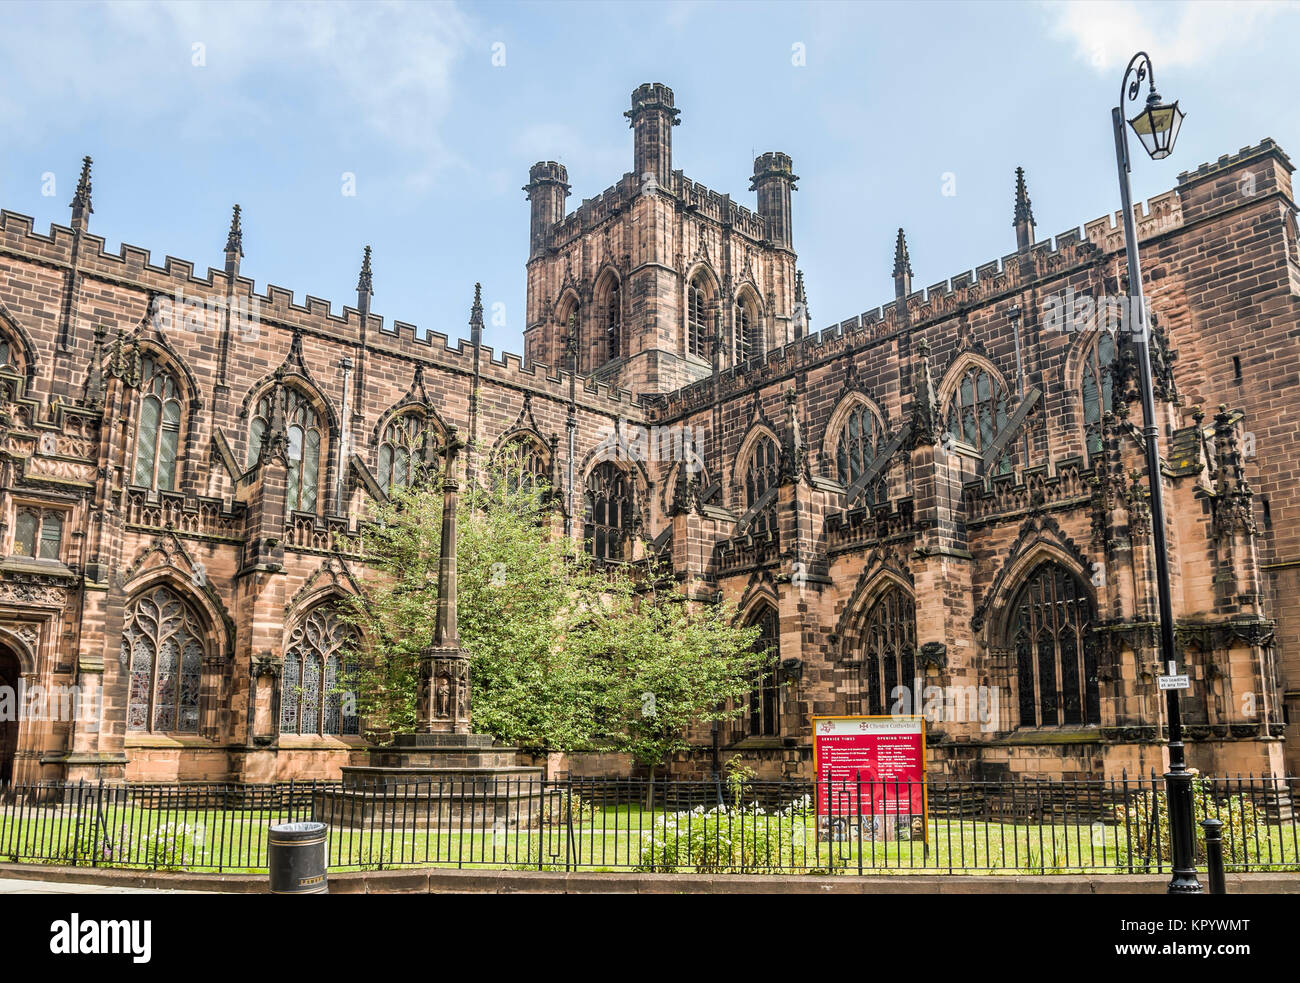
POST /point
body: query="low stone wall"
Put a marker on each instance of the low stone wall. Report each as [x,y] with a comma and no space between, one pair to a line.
[425,881]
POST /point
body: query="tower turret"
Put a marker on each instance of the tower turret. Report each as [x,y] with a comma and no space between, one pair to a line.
[547,187]
[774,179]
[653,117]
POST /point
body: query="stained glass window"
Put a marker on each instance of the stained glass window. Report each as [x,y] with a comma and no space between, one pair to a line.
[977,411]
[402,451]
[859,442]
[1056,668]
[889,659]
[163,649]
[523,464]
[318,694]
[158,428]
[305,437]
[764,717]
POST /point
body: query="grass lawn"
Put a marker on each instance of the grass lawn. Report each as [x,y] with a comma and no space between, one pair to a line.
[604,838]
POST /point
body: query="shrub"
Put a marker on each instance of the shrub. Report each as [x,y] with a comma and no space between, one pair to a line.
[729,839]
[1142,831]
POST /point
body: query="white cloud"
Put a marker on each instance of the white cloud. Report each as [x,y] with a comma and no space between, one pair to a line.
[1106,33]
[378,71]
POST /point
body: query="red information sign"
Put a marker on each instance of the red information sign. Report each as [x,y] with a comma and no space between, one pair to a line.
[870,770]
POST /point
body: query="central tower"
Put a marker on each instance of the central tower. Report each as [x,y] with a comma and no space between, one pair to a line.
[651,282]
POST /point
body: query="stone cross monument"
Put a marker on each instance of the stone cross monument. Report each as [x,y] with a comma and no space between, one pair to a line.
[453,770]
[444,706]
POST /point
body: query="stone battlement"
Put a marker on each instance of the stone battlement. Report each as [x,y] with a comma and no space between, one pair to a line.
[277,307]
[695,196]
[1067,250]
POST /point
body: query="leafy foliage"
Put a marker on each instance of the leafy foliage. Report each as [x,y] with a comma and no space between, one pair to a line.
[734,839]
[565,655]
[1143,825]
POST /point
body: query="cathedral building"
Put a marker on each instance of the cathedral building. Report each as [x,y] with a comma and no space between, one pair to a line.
[937,505]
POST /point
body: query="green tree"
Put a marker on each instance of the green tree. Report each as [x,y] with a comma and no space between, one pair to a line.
[564,655]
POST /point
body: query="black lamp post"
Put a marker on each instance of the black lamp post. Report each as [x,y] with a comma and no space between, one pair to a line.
[1157,127]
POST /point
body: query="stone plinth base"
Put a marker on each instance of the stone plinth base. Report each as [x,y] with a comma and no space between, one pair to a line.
[431,782]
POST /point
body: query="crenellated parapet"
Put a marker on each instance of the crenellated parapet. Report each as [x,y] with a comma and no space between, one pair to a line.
[199,301]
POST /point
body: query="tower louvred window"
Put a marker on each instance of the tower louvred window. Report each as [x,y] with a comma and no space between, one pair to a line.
[613,323]
[697,304]
[748,342]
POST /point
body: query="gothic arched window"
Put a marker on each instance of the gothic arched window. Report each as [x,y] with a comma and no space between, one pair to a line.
[977,411]
[764,716]
[522,463]
[158,428]
[859,442]
[1056,667]
[748,341]
[889,656]
[305,436]
[402,451]
[318,689]
[6,354]
[162,646]
[609,512]
[613,322]
[1097,389]
[697,308]
[762,473]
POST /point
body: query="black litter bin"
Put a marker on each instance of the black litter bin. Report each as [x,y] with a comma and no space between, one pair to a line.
[296,856]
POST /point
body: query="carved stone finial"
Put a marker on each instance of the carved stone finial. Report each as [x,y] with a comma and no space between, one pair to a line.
[476,314]
[365,282]
[925,407]
[1024,207]
[81,206]
[902,261]
[235,239]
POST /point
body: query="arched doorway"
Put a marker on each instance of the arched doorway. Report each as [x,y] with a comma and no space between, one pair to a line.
[10,673]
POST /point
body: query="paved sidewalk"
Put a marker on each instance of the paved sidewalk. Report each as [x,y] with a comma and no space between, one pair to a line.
[10,885]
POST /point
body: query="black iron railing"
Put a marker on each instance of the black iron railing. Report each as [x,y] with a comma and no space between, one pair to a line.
[862,826]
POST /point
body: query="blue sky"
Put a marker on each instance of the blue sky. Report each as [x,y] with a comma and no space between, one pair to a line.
[190,108]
